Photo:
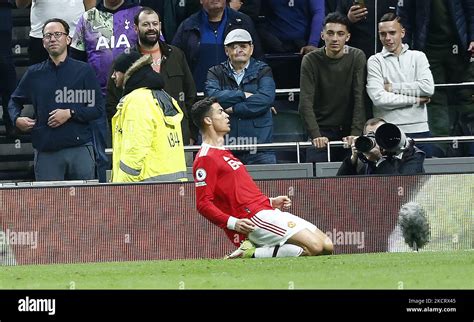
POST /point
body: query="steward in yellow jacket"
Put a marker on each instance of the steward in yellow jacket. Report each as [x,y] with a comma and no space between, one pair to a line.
[146,130]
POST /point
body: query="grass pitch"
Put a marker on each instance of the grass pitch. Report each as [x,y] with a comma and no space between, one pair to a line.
[423,270]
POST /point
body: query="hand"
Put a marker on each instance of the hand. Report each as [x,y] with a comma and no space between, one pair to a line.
[356,13]
[422,100]
[58,117]
[229,110]
[307,49]
[320,142]
[280,201]
[247,94]
[244,226]
[25,124]
[373,155]
[355,153]
[388,87]
[349,141]
[471,48]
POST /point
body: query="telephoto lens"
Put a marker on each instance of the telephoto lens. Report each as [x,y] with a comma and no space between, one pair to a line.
[365,143]
[390,138]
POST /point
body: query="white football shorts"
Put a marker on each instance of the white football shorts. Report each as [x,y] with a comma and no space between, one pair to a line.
[275,227]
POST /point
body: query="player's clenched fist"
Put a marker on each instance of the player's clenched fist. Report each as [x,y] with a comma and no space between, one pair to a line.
[244,226]
[280,201]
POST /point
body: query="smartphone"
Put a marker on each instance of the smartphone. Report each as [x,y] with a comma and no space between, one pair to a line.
[361,3]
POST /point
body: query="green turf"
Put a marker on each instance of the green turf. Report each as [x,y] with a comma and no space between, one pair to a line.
[423,270]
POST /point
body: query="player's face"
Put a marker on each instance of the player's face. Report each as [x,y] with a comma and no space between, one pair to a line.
[220,119]
[335,35]
[148,29]
[391,34]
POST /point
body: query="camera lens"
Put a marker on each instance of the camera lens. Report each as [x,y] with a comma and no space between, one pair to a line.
[364,143]
[390,137]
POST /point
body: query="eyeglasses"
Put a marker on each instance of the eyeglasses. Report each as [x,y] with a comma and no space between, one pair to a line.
[57,35]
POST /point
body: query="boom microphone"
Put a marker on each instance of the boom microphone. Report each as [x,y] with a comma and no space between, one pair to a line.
[414,224]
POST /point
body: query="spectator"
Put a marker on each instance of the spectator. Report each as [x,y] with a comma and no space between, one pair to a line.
[173,12]
[201,37]
[41,11]
[376,161]
[332,90]
[102,34]
[245,88]
[292,26]
[66,98]
[147,140]
[228,197]
[123,62]
[399,82]
[7,67]
[444,31]
[250,7]
[363,19]
[169,61]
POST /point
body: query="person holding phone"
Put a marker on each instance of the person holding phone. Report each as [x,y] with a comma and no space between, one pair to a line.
[364,15]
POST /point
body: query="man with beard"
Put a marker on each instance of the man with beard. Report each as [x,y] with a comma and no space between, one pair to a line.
[66,98]
[102,34]
[169,61]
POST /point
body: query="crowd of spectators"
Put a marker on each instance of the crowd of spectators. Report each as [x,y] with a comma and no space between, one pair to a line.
[359,60]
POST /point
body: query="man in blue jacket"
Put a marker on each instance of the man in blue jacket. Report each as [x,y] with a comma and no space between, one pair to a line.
[245,88]
[201,37]
[66,97]
[444,31]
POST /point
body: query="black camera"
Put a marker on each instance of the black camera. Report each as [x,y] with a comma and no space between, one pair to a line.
[388,136]
[365,143]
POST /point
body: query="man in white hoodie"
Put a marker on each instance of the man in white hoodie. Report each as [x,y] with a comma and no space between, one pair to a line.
[400,83]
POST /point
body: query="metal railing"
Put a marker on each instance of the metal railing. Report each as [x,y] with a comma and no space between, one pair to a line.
[331,144]
[297,90]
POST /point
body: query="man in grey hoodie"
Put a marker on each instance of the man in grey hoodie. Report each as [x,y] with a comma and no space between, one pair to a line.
[399,82]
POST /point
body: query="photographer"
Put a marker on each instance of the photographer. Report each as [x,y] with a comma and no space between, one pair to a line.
[402,158]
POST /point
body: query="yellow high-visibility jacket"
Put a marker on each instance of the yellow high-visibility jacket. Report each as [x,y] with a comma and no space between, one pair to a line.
[147,138]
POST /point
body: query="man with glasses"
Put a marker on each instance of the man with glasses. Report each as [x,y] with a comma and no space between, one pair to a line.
[66,98]
[103,33]
[245,88]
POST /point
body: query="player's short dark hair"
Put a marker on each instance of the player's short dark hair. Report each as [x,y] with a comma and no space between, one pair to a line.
[391,17]
[148,11]
[201,109]
[337,17]
[61,21]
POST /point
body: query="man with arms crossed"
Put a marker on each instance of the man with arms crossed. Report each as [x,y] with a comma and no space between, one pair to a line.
[228,197]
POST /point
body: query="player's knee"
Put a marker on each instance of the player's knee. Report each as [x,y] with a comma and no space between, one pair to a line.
[315,248]
[328,246]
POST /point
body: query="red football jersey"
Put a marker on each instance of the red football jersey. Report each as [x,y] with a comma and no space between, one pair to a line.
[224,188]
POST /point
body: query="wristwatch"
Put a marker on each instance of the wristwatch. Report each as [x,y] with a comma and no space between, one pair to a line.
[73,113]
